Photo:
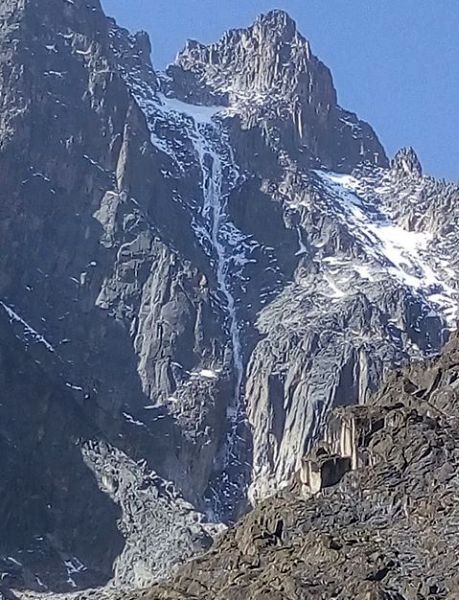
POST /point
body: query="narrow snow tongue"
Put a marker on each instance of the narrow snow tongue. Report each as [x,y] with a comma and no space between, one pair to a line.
[227,491]
[204,143]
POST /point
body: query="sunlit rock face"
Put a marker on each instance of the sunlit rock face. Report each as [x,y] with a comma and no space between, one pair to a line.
[196,267]
[345,529]
[270,79]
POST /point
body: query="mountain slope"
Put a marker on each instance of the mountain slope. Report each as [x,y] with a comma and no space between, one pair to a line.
[387,531]
[79,251]
[201,263]
[324,223]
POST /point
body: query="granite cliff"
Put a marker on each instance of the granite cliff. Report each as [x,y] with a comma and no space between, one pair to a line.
[196,268]
[378,521]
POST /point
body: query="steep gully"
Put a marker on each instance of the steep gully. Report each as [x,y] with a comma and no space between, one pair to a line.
[201,128]
[208,142]
[221,241]
[201,139]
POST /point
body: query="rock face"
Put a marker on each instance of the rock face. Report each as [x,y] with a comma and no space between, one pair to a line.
[388,530]
[269,77]
[196,267]
[109,315]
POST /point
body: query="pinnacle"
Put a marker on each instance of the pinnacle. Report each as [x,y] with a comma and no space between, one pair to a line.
[277,20]
[407,160]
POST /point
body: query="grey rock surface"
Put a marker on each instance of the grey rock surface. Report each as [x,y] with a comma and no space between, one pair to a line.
[89,287]
[382,524]
[272,82]
[196,267]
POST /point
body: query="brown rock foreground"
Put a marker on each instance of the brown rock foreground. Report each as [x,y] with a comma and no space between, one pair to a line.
[389,530]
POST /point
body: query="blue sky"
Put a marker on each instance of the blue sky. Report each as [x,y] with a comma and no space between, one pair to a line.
[395,62]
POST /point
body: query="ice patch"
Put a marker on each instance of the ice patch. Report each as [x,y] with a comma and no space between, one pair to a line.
[363,271]
[74,387]
[199,113]
[74,566]
[301,247]
[404,255]
[336,292]
[387,242]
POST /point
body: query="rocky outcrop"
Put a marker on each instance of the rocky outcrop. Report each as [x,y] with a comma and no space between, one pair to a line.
[387,530]
[323,470]
[407,162]
[152,510]
[309,236]
[94,280]
[52,509]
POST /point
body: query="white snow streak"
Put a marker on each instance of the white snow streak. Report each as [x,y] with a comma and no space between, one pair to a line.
[28,330]
[130,419]
[213,227]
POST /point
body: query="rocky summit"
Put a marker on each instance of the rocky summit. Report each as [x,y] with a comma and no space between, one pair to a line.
[197,268]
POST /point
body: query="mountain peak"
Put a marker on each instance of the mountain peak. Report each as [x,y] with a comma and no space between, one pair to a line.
[269,55]
[268,73]
[278,20]
[407,161]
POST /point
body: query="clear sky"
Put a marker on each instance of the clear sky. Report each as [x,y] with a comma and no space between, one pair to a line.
[395,62]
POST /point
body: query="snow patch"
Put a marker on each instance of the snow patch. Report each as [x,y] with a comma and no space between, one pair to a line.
[405,255]
[208,374]
[74,566]
[199,113]
[130,419]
